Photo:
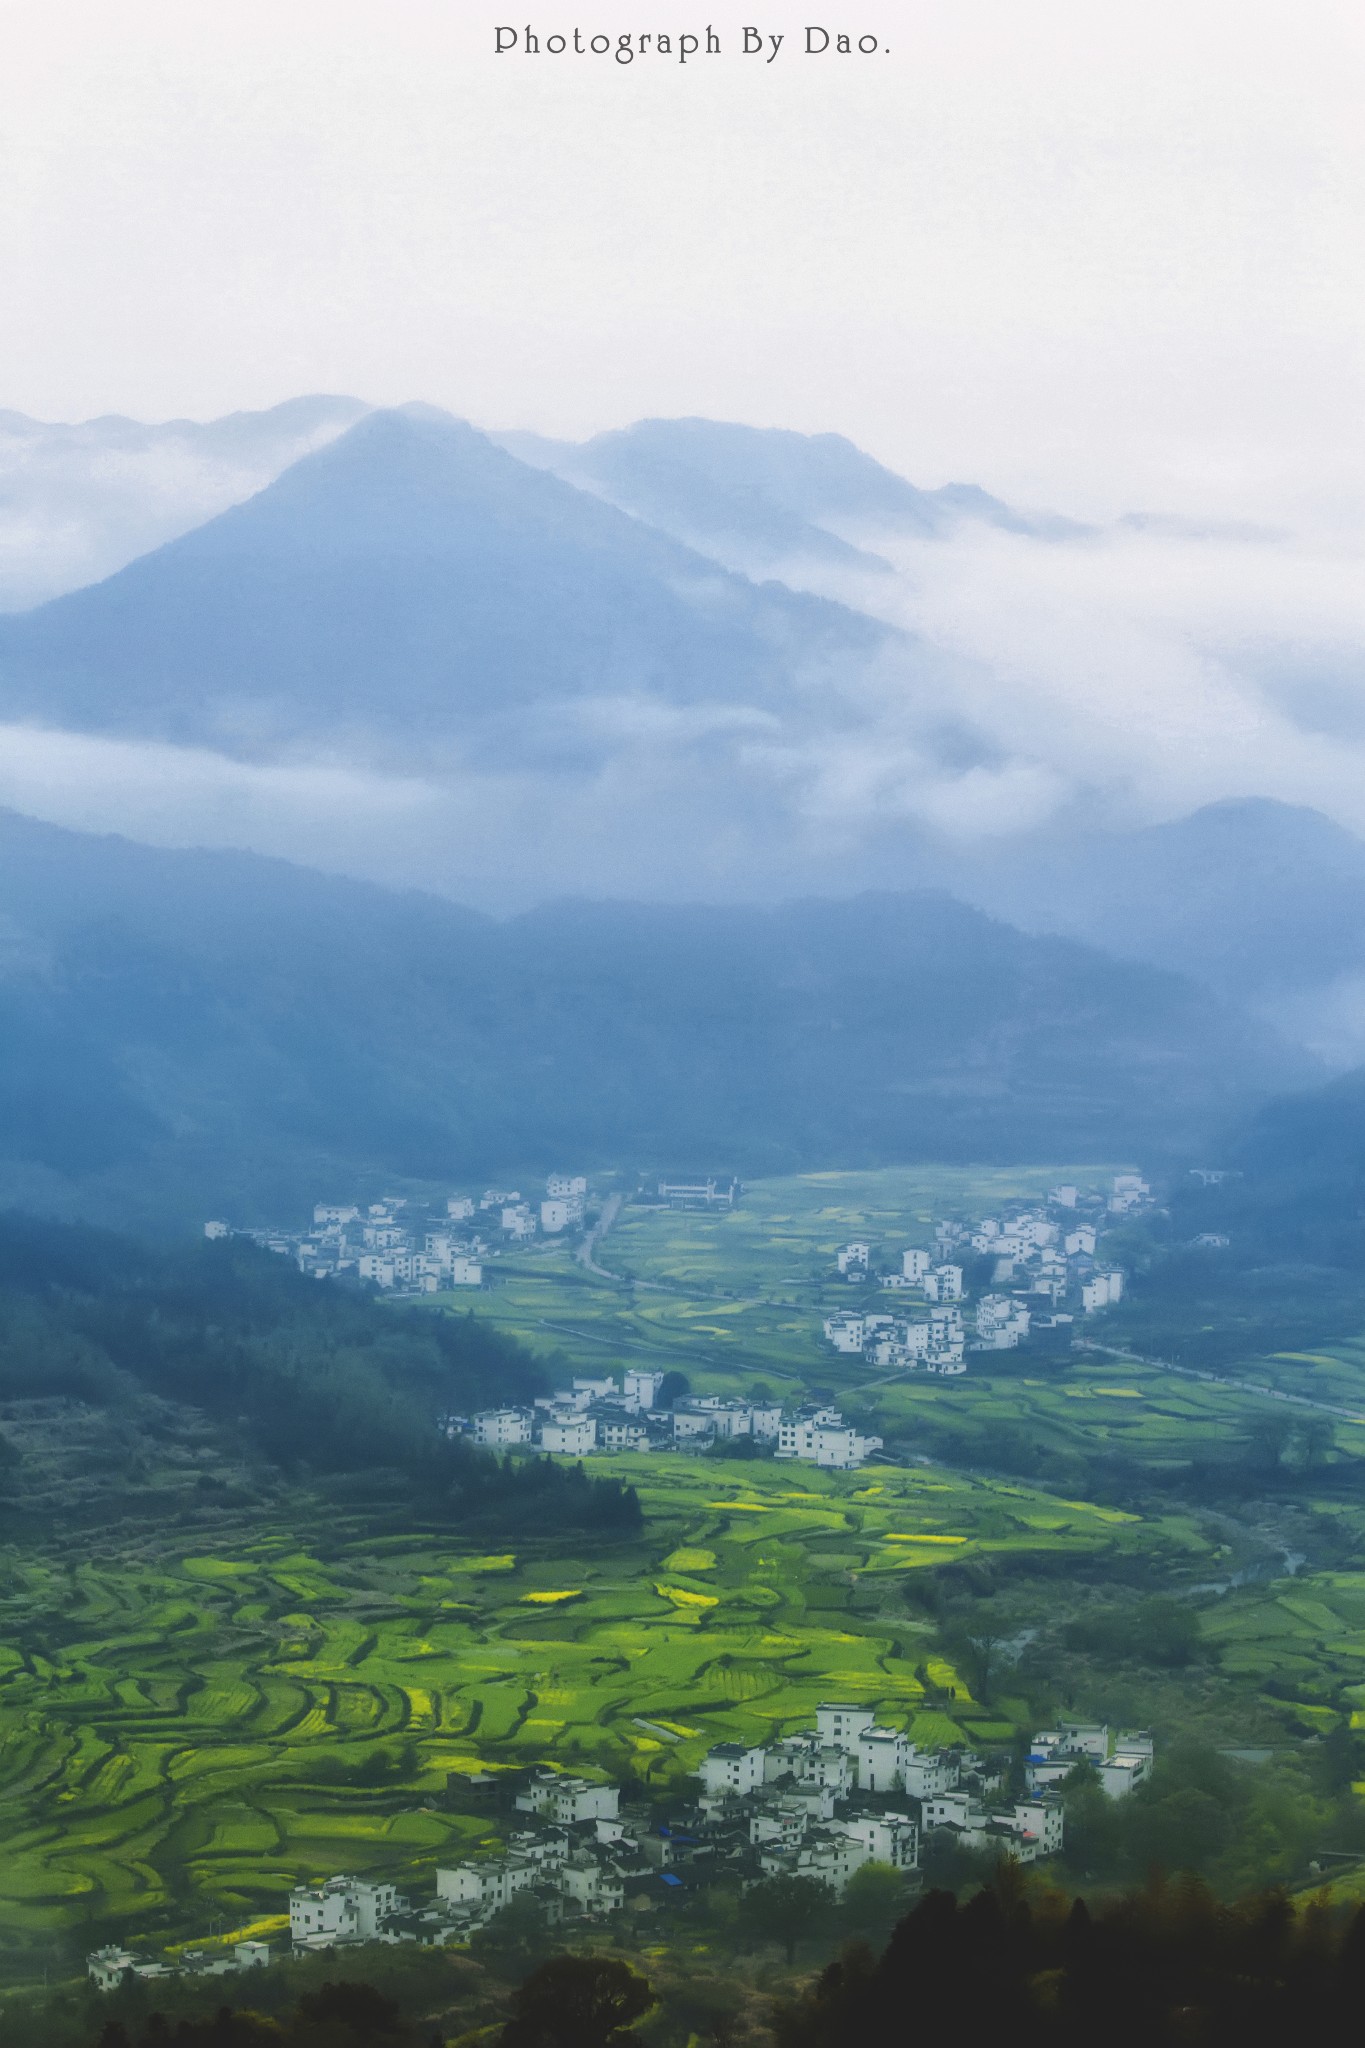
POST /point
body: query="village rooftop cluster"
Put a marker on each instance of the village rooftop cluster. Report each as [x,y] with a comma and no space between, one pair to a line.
[818,1804]
[409,1248]
[606,1415]
[1044,1271]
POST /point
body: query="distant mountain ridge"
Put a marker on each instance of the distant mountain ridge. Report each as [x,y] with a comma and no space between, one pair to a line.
[185,1032]
[409,587]
[761,498]
[1262,901]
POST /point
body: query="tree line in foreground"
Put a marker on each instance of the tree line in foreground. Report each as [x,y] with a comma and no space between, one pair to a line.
[1166,1966]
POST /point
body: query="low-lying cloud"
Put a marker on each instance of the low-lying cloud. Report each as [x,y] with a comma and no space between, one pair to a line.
[1113,680]
[1132,675]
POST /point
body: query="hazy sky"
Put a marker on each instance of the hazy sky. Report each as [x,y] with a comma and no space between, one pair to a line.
[1102,255]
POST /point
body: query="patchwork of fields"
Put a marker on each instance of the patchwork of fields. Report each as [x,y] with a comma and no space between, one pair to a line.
[194,1720]
[741,1294]
[737,1299]
[186,1731]
[1305,1637]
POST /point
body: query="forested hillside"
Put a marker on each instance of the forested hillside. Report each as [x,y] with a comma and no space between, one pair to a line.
[304,1376]
[186,1032]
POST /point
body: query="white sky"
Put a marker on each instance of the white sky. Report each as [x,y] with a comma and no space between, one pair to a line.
[1097,255]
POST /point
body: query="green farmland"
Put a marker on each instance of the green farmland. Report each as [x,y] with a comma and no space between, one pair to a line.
[202,1706]
[738,1295]
[738,1298]
[189,1729]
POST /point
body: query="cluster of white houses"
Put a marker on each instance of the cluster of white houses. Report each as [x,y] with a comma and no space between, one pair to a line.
[818,1804]
[402,1246]
[817,1801]
[602,1414]
[1045,1270]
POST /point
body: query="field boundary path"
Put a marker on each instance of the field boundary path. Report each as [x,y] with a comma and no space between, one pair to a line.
[1219,1379]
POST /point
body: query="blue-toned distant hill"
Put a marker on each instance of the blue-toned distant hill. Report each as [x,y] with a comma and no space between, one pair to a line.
[1263,901]
[409,589]
[764,498]
[185,1031]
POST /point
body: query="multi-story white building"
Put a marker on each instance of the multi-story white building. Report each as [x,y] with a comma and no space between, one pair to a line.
[852,1260]
[1129,1766]
[691,1423]
[1001,1323]
[642,1387]
[840,1724]
[1121,1762]
[915,1267]
[489,1882]
[887,1837]
[926,1773]
[829,1854]
[1041,1821]
[731,1770]
[593,1882]
[882,1754]
[1101,1291]
[619,1432]
[497,1428]
[1030,1829]
[345,1909]
[822,1437]
[568,1433]
[564,1801]
[810,1762]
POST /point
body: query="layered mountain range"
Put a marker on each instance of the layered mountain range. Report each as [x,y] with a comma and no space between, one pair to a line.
[193,1028]
[557,641]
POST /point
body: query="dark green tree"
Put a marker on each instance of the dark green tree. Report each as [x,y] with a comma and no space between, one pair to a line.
[873,1901]
[578,2002]
[785,1910]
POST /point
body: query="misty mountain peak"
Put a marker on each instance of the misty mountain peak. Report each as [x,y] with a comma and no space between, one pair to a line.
[411,586]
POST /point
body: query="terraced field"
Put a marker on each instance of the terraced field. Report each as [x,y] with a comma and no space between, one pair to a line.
[187,1729]
[1303,1637]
